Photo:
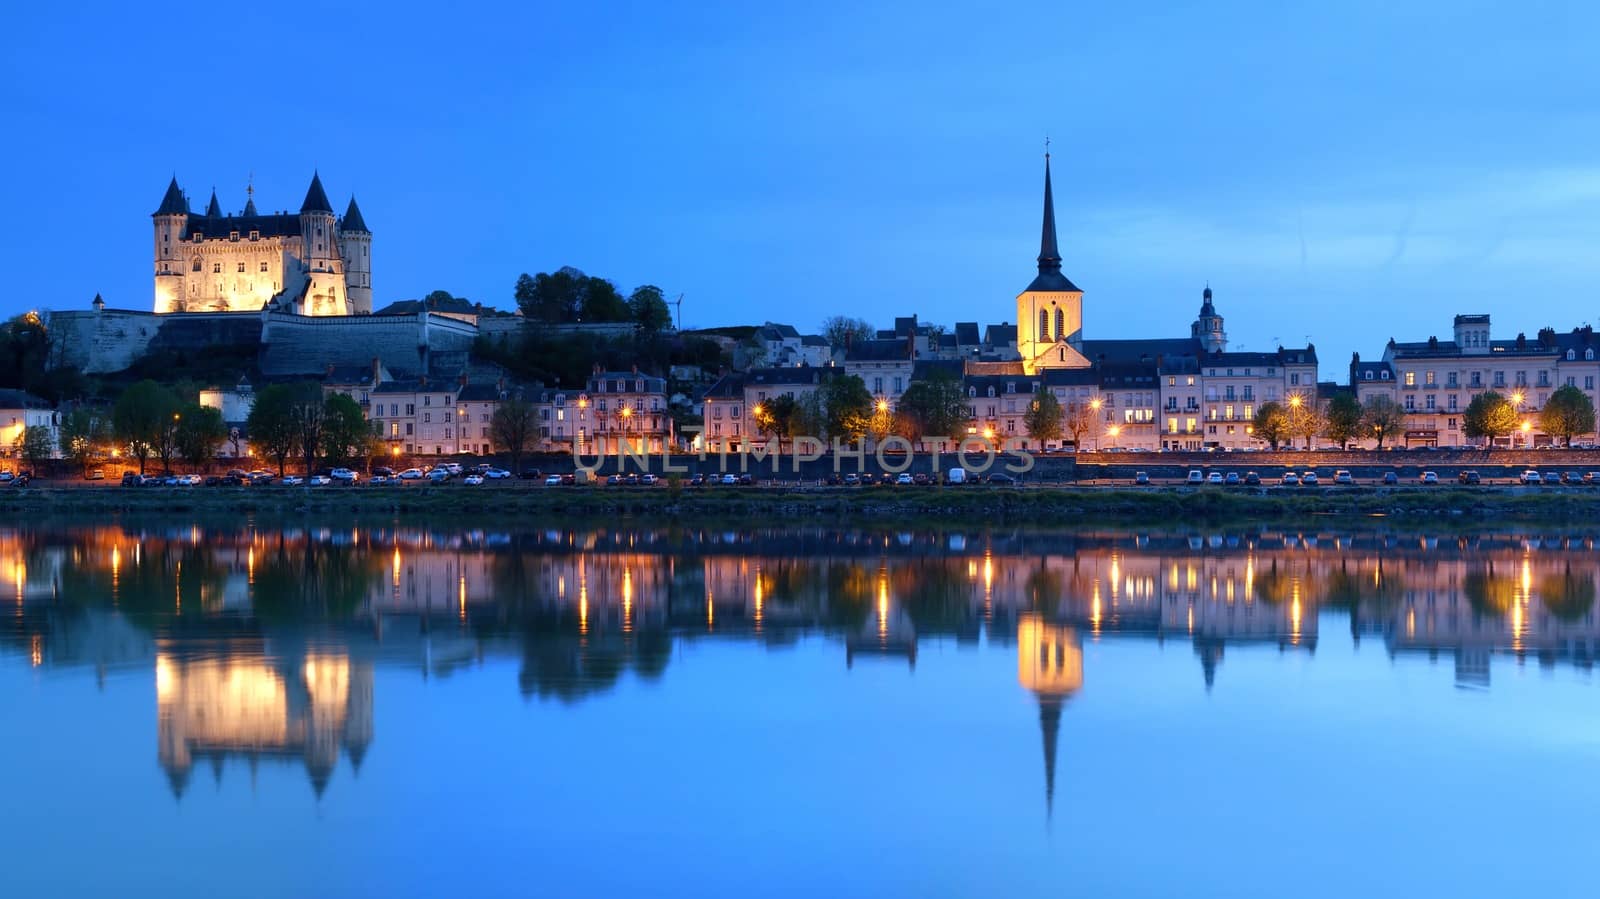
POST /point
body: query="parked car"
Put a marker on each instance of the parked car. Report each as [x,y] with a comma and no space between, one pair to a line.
[1002,479]
[746,481]
[384,470]
[473,480]
[129,478]
[438,475]
[1551,479]
[904,478]
[699,480]
[1343,477]
[321,480]
[293,480]
[1231,479]
[496,474]
[1251,479]
[1468,477]
[1391,478]
[921,479]
[1591,477]
[852,480]
[1571,478]
[730,480]
[344,475]
[1290,479]
[411,474]
[649,480]
[95,474]
[1530,477]
[1309,479]
[1195,477]
[1214,478]
[1142,478]
[1429,478]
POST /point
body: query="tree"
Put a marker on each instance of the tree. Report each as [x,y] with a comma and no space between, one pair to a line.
[847,407]
[1342,423]
[270,427]
[1382,417]
[83,438]
[347,436]
[810,418]
[200,432]
[142,417]
[776,417]
[526,294]
[1272,424]
[1489,415]
[1078,418]
[307,411]
[512,429]
[1044,417]
[552,297]
[36,444]
[842,330]
[1567,413]
[934,407]
[1305,419]
[649,310]
[602,302]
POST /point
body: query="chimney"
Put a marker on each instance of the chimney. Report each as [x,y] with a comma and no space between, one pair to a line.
[377,370]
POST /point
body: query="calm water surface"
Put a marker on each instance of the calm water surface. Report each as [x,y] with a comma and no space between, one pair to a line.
[362,711]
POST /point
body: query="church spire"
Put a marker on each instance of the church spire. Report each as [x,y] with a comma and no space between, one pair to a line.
[250,195]
[1050,279]
[1049,256]
[1050,724]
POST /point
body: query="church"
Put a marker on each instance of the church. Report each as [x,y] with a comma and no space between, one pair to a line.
[307,263]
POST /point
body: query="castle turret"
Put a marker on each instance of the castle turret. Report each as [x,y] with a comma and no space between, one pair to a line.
[355,248]
[170,221]
[324,268]
[1208,327]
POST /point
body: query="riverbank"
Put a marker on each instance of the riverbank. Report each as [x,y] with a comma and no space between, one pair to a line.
[1037,505]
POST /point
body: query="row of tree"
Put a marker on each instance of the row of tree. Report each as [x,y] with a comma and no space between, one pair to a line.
[1568,413]
[568,295]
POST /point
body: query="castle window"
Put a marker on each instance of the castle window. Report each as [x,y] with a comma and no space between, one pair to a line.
[216,268]
[196,266]
[233,236]
[263,266]
[241,268]
[255,235]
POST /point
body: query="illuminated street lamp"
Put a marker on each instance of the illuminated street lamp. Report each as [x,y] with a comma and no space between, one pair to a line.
[883,405]
[1295,400]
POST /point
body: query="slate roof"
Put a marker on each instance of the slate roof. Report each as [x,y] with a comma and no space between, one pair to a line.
[479,392]
[316,197]
[774,331]
[727,387]
[877,351]
[352,220]
[813,340]
[173,202]
[213,227]
[20,399]
[1135,350]
[455,305]
[1000,335]
[1071,377]
[1307,356]
[923,369]
[982,383]
[803,374]
[967,333]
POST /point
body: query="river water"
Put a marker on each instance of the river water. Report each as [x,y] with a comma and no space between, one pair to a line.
[386,710]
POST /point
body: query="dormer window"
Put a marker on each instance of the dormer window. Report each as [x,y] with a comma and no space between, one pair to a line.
[1571,355]
[1369,376]
[1588,355]
[255,235]
[1384,376]
[197,237]
[233,236]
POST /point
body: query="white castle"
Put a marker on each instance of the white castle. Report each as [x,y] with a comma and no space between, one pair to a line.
[310,263]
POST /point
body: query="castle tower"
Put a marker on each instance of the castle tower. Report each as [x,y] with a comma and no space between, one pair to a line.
[1208,327]
[355,248]
[170,221]
[319,236]
[1050,310]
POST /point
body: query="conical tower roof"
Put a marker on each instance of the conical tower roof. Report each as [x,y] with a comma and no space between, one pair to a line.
[173,202]
[353,220]
[214,209]
[316,197]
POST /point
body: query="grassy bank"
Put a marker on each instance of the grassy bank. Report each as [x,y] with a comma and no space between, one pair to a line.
[1045,506]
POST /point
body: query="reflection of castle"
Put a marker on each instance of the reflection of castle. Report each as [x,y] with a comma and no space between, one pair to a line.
[1049,665]
[210,708]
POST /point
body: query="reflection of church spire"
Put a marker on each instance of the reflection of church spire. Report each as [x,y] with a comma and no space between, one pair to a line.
[1050,726]
[1210,652]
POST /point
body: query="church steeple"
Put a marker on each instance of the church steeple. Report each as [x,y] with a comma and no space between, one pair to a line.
[1050,279]
[1050,725]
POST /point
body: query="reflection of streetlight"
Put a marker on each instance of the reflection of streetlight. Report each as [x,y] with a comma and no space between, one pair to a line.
[1112,432]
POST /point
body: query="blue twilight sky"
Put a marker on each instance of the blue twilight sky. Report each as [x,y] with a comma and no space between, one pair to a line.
[1347,171]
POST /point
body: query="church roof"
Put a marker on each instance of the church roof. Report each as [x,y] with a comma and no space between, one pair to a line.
[173,202]
[316,197]
[1049,279]
[352,218]
[1138,350]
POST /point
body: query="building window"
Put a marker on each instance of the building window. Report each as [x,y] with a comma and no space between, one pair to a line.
[1411,402]
[1190,381]
[216,268]
[1044,325]
[263,266]
[1428,379]
[1249,412]
[1450,379]
[1061,329]
[410,429]
[1430,402]
[427,418]
[241,268]
[448,417]
[1411,379]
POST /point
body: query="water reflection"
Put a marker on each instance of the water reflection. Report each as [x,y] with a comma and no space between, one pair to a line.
[263,642]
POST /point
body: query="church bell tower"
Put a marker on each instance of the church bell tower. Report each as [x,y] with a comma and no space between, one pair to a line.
[1050,309]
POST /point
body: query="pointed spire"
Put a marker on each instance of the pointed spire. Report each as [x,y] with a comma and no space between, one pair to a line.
[1050,726]
[1050,279]
[316,197]
[173,203]
[213,209]
[352,218]
[250,195]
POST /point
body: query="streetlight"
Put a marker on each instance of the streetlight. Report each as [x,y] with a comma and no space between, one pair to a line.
[883,405]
